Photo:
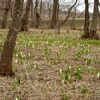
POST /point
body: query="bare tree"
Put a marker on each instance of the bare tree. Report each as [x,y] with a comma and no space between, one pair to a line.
[40,7]
[36,15]
[69,11]
[93,29]
[32,17]
[86,24]
[24,23]
[7,8]
[55,15]
[73,20]
[7,53]
[49,9]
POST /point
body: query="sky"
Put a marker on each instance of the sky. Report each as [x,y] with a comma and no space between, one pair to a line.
[81,6]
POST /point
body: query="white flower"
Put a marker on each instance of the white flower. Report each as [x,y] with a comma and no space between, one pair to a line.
[63,81]
[60,71]
[16,99]
[98,75]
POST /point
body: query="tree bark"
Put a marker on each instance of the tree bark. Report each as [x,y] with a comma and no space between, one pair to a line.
[93,30]
[7,8]
[73,20]
[40,8]
[2,3]
[55,15]
[12,8]
[8,49]
[49,10]
[24,23]
[32,17]
[32,14]
[36,15]
[87,23]
[99,14]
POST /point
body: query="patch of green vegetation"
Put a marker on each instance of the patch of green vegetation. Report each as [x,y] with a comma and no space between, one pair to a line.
[77,72]
[16,83]
[92,60]
[67,78]
[84,90]
[90,42]
[6,98]
[18,80]
[46,53]
[65,97]
[69,75]
[93,70]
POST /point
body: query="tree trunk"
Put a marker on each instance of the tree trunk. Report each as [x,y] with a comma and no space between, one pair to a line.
[68,13]
[93,30]
[2,3]
[37,20]
[73,20]
[12,8]
[86,24]
[40,8]
[55,15]
[49,10]
[99,15]
[7,8]
[24,24]
[32,17]
[36,15]
[7,53]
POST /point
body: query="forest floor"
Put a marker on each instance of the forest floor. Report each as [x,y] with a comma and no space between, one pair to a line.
[52,67]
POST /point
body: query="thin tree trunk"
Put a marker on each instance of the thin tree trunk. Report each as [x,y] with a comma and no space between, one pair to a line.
[40,8]
[58,21]
[24,24]
[36,15]
[73,20]
[8,49]
[32,17]
[7,8]
[87,23]
[93,30]
[81,14]
[68,13]
[49,10]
